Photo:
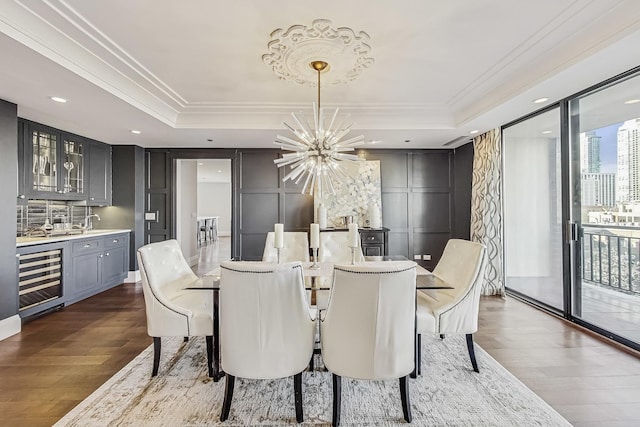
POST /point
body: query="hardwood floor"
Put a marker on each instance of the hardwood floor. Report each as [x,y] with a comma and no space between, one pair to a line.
[589,381]
[60,358]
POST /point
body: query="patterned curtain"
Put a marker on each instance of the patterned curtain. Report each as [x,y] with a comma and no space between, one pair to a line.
[486,207]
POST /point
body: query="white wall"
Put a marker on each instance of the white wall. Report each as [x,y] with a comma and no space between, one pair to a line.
[186,209]
[214,199]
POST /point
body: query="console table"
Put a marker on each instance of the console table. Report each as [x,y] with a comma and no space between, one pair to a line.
[374,241]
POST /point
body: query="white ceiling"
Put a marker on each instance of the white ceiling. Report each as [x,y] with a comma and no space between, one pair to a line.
[191,71]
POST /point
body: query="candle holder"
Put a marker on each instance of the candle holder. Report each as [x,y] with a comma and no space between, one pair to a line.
[315,264]
[353,255]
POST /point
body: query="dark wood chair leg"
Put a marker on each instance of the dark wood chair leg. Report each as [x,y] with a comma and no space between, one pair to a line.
[337,395]
[228,395]
[209,340]
[156,355]
[297,392]
[404,396]
[472,353]
[417,356]
[441,336]
[419,362]
[311,362]
[186,339]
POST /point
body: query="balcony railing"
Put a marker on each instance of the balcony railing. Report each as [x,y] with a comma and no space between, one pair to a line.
[611,257]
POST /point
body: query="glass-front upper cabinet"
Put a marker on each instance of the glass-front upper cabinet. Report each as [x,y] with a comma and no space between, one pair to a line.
[54,164]
[73,166]
[44,153]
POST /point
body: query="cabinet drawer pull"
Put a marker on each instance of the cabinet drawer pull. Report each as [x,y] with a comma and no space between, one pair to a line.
[107,253]
[101,255]
[86,245]
[371,238]
[115,240]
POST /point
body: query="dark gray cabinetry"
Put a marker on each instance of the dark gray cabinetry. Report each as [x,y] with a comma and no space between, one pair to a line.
[97,264]
[52,163]
[99,174]
[56,165]
[375,242]
[85,268]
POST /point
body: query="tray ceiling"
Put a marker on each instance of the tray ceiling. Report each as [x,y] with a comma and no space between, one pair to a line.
[184,73]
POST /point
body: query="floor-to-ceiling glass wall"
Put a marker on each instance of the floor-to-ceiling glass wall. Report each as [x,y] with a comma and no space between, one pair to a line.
[605,142]
[533,232]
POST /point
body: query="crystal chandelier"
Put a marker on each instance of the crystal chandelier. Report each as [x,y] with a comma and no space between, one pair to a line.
[317,152]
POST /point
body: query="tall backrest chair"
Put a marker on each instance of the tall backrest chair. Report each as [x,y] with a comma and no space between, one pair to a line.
[266,327]
[296,247]
[455,311]
[171,309]
[368,331]
[334,247]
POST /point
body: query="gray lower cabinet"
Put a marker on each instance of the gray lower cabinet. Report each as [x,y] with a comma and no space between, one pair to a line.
[97,264]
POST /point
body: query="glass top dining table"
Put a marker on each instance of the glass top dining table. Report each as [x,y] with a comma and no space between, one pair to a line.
[425,281]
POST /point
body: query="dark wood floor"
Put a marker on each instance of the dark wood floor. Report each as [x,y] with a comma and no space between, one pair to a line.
[59,359]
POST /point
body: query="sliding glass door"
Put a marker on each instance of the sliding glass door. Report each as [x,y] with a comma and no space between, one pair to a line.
[605,143]
[533,231]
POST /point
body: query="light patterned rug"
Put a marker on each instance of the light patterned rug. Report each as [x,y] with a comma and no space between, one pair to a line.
[448,393]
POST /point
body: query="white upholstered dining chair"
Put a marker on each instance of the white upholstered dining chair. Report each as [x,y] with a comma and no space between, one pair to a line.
[172,310]
[267,329]
[334,247]
[368,330]
[296,247]
[454,311]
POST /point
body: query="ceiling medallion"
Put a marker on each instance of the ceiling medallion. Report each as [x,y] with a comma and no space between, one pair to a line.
[292,51]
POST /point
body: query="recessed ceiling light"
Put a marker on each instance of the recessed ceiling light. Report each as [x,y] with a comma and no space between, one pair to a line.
[209,140]
[407,140]
[219,171]
[546,131]
[200,164]
[58,99]
[632,101]
[540,100]
[135,131]
[373,141]
[473,131]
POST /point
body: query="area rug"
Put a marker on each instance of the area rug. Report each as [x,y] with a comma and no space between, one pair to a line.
[448,393]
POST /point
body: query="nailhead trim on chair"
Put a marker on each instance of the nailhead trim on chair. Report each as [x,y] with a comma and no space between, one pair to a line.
[256,272]
[374,272]
[160,300]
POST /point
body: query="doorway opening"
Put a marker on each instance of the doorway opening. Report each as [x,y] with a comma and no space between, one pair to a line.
[203,211]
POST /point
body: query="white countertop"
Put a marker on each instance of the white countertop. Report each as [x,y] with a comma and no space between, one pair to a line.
[26,241]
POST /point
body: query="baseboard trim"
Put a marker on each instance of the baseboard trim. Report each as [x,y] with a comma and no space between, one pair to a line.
[133,277]
[224,233]
[10,326]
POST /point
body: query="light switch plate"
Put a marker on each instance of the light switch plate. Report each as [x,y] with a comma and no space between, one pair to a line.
[416,257]
[426,257]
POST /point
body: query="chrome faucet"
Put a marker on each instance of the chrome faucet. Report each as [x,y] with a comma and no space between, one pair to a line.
[88,223]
